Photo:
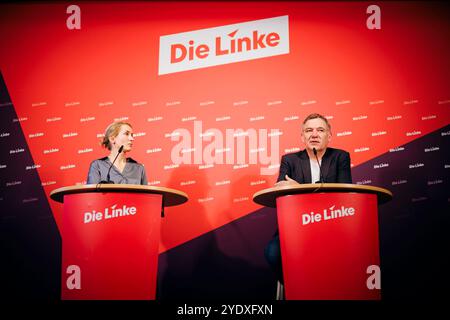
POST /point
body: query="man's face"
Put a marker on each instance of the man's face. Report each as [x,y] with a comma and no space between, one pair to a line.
[315,134]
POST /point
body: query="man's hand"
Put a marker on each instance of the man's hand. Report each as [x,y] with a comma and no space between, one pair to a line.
[287,182]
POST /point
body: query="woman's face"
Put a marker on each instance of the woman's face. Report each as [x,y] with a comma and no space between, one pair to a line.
[124,138]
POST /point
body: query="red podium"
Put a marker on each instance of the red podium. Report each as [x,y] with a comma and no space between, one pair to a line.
[329,239]
[110,240]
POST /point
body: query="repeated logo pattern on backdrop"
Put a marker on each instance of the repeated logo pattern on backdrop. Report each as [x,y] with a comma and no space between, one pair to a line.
[211,127]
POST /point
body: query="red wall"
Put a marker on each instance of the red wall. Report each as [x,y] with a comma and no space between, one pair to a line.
[61,82]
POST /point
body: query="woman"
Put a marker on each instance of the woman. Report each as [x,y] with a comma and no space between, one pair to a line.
[125,170]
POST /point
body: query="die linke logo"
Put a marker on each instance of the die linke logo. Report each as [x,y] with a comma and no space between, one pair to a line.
[222,45]
[109,213]
[327,214]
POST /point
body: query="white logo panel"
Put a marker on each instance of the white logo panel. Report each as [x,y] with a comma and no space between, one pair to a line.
[222,45]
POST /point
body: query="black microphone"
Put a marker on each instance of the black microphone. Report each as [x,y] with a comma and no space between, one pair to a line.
[108,180]
[320,169]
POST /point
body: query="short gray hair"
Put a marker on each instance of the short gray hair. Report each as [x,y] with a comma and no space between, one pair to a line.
[317,116]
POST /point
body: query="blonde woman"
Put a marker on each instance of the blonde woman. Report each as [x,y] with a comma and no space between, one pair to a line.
[118,140]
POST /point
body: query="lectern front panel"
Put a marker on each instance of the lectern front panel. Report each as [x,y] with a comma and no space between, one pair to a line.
[110,246]
[330,246]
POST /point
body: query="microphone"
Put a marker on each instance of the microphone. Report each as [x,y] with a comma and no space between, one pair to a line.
[108,180]
[320,169]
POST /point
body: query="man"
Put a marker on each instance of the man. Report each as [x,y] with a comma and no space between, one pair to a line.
[303,167]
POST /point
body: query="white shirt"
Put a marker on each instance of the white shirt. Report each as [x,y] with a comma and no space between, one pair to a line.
[315,171]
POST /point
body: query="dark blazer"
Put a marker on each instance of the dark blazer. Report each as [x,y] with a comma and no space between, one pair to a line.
[335,166]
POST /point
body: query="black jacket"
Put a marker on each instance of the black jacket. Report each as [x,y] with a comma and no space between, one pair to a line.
[335,166]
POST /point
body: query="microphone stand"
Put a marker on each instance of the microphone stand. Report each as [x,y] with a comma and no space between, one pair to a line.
[108,180]
[320,172]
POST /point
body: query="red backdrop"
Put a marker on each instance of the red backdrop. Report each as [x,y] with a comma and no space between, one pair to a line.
[379,88]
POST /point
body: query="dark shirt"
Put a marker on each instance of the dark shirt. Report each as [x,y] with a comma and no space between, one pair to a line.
[133,173]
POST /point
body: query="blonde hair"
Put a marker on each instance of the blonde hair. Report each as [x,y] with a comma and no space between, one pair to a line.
[112,131]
